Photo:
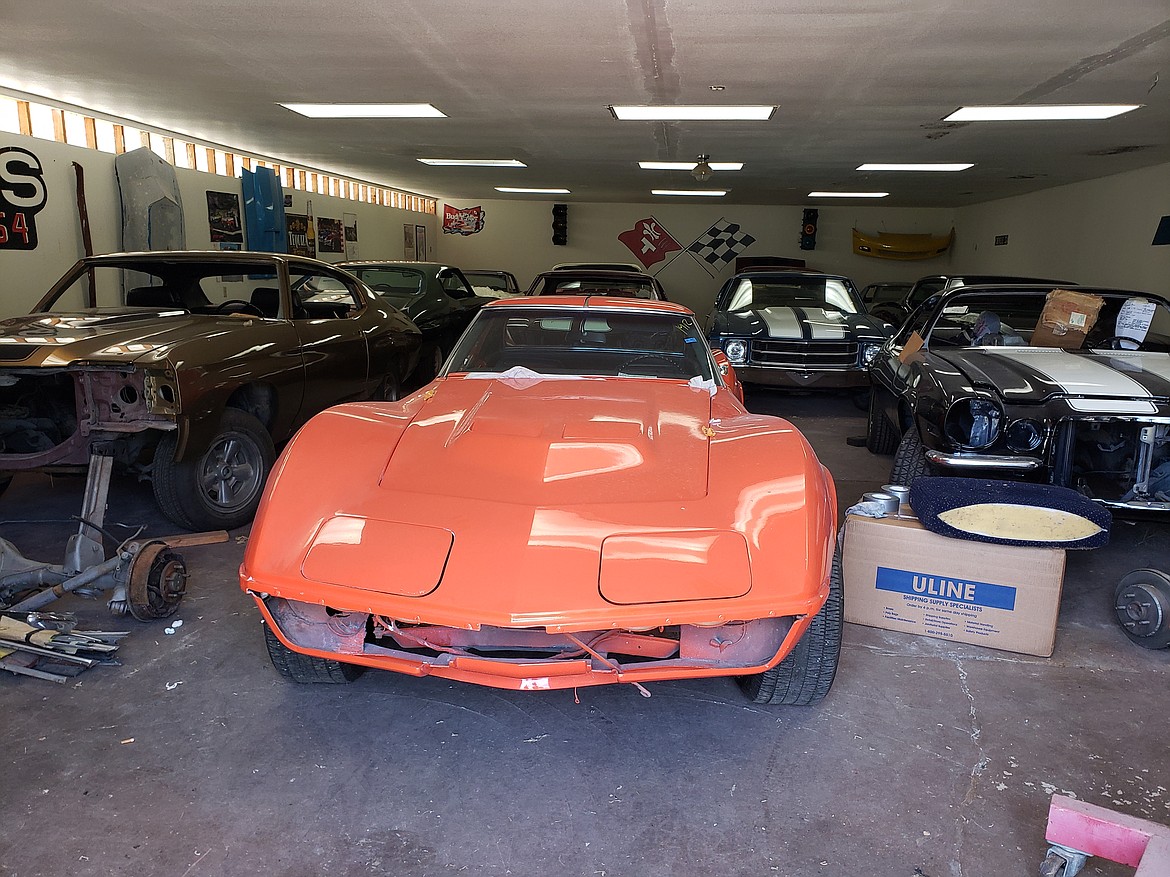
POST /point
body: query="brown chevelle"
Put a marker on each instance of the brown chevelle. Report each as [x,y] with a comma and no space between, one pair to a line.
[187,368]
[579,498]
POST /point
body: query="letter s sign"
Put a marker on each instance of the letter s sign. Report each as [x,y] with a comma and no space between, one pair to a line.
[22,195]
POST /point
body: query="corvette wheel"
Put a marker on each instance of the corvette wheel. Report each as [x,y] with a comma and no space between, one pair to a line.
[806,673]
[307,669]
[881,437]
[220,489]
[910,462]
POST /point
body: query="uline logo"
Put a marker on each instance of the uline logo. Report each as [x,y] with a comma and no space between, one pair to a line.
[946,589]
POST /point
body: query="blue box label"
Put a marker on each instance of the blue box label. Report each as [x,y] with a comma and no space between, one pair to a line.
[920,584]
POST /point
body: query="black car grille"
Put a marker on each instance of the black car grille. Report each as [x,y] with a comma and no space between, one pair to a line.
[805,355]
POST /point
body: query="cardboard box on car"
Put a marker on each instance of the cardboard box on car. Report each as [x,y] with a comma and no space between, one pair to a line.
[1066,319]
[900,576]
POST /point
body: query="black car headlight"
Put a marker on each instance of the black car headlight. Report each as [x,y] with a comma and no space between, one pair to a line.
[736,350]
[974,423]
[1024,435]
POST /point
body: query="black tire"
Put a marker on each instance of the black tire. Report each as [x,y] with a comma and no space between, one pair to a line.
[861,399]
[389,390]
[220,489]
[806,673]
[910,462]
[881,436]
[307,669]
[1142,603]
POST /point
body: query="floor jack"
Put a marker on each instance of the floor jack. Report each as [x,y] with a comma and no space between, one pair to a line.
[147,578]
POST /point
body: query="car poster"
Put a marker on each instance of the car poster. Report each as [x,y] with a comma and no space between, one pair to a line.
[330,236]
[223,220]
[408,252]
[420,242]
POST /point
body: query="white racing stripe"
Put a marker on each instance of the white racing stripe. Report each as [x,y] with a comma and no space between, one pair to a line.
[1138,360]
[785,323]
[782,323]
[826,325]
[1083,376]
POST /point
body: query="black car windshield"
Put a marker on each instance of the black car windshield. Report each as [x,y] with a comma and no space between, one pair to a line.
[490,279]
[390,279]
[624,287]
[757,293]
[988,319]
[567,341]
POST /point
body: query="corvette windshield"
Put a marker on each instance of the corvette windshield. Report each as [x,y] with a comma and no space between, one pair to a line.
[575,342]
[788,292]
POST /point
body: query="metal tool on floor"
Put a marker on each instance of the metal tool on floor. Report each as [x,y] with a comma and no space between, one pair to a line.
[1142,603]
[146,576]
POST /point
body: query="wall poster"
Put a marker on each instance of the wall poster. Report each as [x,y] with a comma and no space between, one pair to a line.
[408,252]
[22,195]
[223,220]
[349,221]
[300,242]
[420,242]
[330,236]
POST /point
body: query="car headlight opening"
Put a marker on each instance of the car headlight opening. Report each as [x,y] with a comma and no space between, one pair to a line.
[736,350]
[868,351]
[1024,435]
[973,423]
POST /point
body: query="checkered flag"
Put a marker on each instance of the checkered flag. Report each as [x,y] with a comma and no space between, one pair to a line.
[717,246]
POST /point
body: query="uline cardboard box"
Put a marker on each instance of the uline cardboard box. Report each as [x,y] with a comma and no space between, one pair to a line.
[900,576]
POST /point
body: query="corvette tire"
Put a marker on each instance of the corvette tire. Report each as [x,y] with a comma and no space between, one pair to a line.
[806,673]
[307,669]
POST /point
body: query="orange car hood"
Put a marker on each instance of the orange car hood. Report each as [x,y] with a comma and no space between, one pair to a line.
[572,504]
[544,443]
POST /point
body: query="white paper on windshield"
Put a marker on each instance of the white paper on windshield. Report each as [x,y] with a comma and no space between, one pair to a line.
[519,377]
[1134,318]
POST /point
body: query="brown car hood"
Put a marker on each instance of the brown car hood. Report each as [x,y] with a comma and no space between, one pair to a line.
[122,335]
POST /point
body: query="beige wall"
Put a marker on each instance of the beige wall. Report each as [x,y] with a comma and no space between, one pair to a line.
[1097,232]
[517,237]
[26,275]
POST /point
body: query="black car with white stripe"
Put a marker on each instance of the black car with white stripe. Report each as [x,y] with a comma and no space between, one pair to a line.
[982,380]
[795,329]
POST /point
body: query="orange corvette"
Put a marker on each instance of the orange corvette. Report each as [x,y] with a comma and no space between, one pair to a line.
[579,498]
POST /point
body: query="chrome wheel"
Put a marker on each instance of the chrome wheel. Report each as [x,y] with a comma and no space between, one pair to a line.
[231,472]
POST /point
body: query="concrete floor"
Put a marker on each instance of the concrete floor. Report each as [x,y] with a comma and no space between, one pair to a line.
[927,758]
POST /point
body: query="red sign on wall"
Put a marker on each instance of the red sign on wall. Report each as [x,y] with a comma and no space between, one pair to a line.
[649,241]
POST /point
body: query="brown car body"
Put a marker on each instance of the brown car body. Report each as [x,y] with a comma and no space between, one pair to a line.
[147,374]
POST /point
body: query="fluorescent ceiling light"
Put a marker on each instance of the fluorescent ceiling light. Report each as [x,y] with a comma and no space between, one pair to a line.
[708,193]
[936,166]
[689,165]
[472,162]
[523,191]
[693,113]
[366,111]
[1039,112]
[848,194]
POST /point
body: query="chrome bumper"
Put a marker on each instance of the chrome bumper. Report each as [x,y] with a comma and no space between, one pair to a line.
[984,461]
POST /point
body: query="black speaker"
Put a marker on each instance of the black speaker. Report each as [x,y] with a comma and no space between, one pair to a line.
[560,224]
[808,230]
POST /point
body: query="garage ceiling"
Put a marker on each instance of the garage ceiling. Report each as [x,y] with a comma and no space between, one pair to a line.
[855,80]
